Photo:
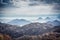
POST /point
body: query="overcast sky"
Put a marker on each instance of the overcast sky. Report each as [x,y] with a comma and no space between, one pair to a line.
[22,8]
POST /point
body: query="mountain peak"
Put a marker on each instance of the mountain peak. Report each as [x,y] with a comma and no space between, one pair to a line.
[47,17]
[56,21]
[40,18]
[19,22]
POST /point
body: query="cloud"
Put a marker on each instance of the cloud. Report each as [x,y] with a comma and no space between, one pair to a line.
[29,11]
[51,1]
[56,3]
[38,8]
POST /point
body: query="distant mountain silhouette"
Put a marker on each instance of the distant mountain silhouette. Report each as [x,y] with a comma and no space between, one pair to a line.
[54,23]
[19,22]
[4,20]
[58,17]
[40,18]
[47,18]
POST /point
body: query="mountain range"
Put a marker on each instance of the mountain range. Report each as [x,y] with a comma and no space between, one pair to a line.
[54,23]
[22,22]
[47,18]
[13,29]
[19,22]
[29,29]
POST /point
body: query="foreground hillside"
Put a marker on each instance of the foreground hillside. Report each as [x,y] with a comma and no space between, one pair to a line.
[33,31]
[53,35]
[5,37]
[29,29]
[47,36]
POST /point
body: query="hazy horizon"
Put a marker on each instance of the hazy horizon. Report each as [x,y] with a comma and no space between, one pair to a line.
[29,9]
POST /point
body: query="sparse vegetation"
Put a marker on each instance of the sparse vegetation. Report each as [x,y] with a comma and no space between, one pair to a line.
[5,37]
[29,32]
[47,36]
